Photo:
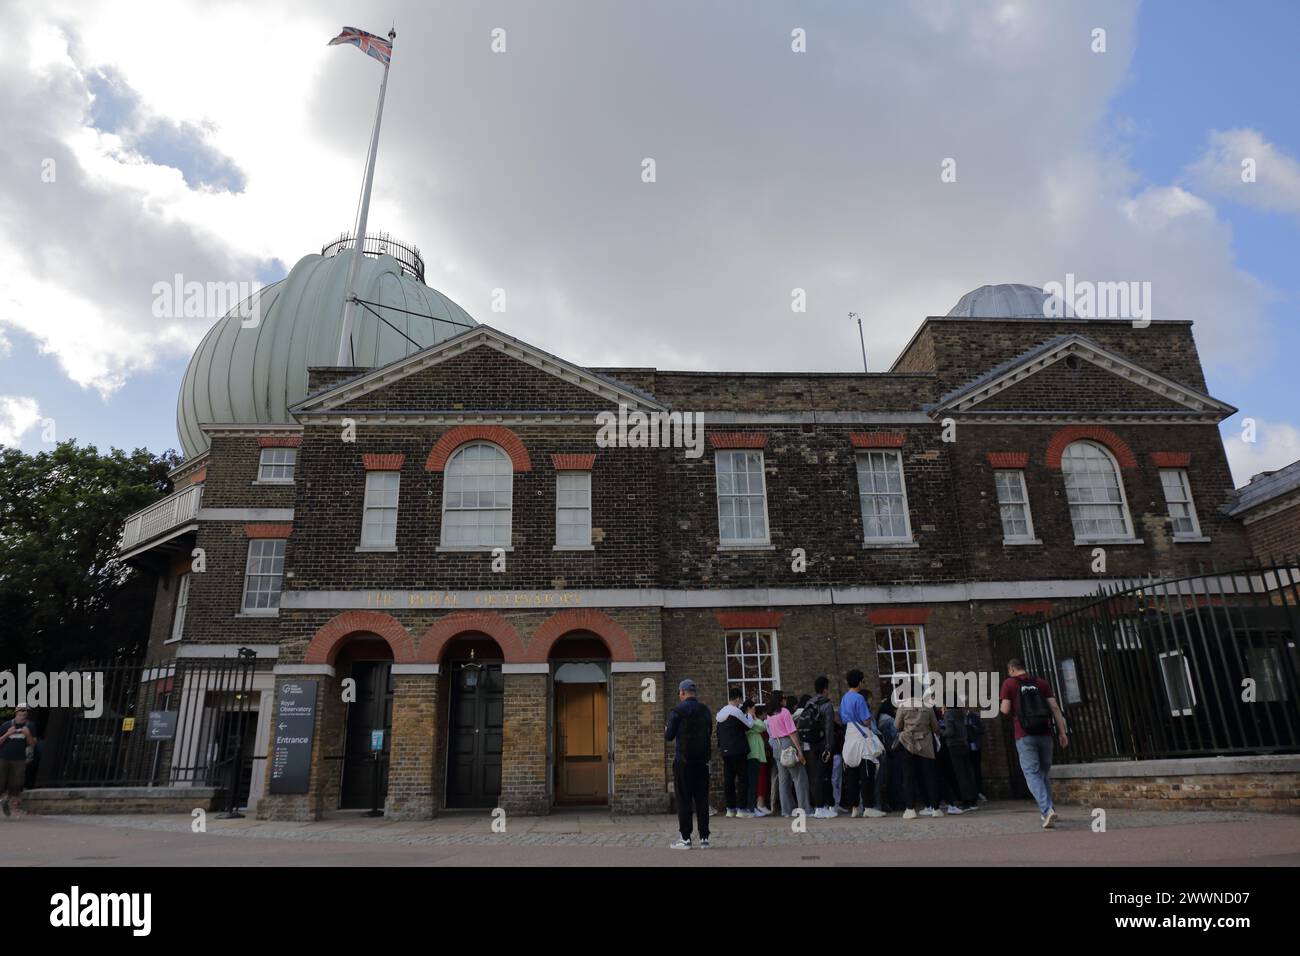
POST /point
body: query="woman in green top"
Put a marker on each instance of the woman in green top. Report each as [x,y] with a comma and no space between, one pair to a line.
[757,761]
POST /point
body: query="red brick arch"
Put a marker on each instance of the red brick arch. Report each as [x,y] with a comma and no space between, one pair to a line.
[583,619]
[1102,436]
[329,640]
[497,434]
[444,631]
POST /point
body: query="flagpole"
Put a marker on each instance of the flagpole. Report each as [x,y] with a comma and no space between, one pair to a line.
[350,306]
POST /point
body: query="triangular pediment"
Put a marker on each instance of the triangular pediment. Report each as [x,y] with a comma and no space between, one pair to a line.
[1067,376]
[479,369]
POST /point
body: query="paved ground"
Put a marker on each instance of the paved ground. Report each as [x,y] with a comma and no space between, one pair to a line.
[1001,833]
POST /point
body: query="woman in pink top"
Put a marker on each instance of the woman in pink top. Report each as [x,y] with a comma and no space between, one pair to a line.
[782,735]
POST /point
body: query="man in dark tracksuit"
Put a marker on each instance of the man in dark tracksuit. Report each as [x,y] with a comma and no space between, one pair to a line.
[690,724]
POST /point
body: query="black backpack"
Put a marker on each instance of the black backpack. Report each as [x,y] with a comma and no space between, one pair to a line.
[811,724]
[1034,713]
[697,734]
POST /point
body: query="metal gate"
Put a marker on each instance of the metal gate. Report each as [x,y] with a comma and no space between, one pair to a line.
[175,723]
[1194,666]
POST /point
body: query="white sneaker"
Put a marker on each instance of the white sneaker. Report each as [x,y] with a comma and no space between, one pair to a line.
[930,812]
[856,812]
[821,814]
[704,844]
[831,813]
[954,810]
[1049,820]
[762,812]
[681,845]
[731,813]
[909,814]
[745,813]
[873,813]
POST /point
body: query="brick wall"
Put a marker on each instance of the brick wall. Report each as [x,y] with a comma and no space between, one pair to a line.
[410,768]
[1278,534]
[523,745]
[1238,791]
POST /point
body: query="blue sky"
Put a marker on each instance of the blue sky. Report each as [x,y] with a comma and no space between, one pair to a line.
[521,172]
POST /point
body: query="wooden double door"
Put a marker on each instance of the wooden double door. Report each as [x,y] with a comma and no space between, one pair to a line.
[581,743]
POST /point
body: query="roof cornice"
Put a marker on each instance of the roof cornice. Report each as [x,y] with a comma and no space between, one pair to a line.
[1040,357]
[477,337]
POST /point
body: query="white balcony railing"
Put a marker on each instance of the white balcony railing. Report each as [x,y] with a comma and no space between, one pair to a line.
[161,517]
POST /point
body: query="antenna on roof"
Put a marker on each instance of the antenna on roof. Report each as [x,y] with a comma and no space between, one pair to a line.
[863,341]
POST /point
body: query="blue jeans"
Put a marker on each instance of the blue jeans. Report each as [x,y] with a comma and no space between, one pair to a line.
[1036,764]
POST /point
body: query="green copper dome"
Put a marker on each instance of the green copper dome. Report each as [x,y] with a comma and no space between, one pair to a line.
[255,374]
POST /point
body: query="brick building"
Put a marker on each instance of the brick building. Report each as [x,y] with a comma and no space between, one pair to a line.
[1269,508]
[516,600]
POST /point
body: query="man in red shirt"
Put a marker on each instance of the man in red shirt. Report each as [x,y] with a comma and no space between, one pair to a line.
[1031,698]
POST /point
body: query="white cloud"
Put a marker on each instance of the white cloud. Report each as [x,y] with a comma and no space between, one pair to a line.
[1276,445]
[522,171]
[1276,186]
[18,414]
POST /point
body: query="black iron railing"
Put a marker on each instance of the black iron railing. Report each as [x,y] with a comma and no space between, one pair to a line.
[174,723]
[381,244]
[1200,665]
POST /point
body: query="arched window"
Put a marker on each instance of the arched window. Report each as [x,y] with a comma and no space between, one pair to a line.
[476,498]
[1093,488]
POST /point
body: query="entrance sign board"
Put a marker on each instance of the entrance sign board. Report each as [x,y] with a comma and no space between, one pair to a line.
[162,725]
[295,723]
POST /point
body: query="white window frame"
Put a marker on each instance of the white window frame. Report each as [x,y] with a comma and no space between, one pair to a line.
[909,632]
[729,453]
[182,605]
[367,506]
[260,545]
[291,454]
[1028,536]
[1185,484]
[760,633]
[446,545]
[1129,536]
[1187,674]
[902,483]
[570,510]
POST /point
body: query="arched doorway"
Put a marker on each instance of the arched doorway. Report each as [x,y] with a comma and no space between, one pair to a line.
[580,722]
[475,720]
[368,721]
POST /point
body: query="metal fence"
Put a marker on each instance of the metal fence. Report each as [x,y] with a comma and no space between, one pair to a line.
[1193,666]
[173,723]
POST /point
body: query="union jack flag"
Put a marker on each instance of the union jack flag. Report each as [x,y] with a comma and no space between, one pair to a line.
[367,43]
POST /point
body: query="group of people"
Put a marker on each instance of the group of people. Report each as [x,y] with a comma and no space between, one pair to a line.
[788,753]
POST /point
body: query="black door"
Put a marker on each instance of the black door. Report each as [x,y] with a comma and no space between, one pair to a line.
[372,710]
[474,745]
[236,731]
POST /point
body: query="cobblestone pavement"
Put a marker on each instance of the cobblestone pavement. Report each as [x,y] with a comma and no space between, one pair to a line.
[998,833]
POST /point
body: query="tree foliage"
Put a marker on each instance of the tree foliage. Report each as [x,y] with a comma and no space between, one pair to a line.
[64,594]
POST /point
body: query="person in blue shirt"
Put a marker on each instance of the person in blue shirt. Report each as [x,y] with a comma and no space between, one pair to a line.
[858,789]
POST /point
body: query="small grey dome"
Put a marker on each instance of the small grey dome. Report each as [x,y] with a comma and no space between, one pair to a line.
[256,374]
[1007,301]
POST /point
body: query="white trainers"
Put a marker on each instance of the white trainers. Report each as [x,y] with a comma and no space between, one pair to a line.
[731,813]
[954,810]
[762,812]
[704,843]
[873,813]
[909,814]
[745,813]
[930,812]
[857,812]
[1049,820]
[682,845]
